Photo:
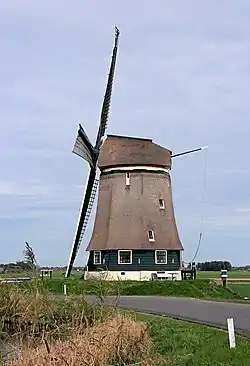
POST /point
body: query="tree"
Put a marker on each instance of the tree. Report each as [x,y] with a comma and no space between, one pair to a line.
[30,257]
[214,266]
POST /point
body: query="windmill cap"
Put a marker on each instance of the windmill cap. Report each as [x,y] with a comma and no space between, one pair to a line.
[125,150]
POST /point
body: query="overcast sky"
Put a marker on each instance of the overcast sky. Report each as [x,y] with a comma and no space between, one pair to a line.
[182,78]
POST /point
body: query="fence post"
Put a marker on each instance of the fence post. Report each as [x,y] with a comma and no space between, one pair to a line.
[65,289]
[224,277]
[231,334]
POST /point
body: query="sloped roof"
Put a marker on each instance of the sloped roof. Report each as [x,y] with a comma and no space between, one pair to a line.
[125,150]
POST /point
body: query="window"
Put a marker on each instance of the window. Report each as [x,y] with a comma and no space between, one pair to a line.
[161,204]
[97,257]
[151,236]
[161,257]
[127,179]
[124,256]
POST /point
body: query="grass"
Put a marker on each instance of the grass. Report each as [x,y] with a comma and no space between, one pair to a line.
[243,290]
[154,341]
[202,289]
[48,330]
[118,340]
[185,344]
[67,331]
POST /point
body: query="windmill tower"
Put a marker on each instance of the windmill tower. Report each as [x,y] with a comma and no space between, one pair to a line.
[135,235]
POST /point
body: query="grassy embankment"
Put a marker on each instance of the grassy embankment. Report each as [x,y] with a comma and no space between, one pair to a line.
[68,331]
[202,289]
[238,281]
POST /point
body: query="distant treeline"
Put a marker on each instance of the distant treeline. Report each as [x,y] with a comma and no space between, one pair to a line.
[25,266]
[214,266]
[242,268]
[17,267]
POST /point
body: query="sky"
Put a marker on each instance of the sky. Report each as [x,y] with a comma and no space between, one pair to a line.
[182,79]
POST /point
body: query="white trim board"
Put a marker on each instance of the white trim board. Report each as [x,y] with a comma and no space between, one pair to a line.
[137,167]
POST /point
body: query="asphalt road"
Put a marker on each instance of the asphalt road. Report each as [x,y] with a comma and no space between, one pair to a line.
[200,311]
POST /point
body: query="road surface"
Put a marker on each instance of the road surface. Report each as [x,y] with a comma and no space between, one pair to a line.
[201,311]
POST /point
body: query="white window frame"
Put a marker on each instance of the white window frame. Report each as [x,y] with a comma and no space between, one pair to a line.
[127,179]
[159,250]
[153,234]
[100,261]
[162,207]
[124,250]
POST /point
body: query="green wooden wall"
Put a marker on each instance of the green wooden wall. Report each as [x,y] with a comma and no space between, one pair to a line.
[145,257]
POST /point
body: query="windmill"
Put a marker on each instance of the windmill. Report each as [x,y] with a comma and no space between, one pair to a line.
[135,235]
[90,153]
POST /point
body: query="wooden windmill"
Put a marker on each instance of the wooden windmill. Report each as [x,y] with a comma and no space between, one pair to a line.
[135,235]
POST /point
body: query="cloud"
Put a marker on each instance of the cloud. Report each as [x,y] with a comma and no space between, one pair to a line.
[243,210]
[14,189]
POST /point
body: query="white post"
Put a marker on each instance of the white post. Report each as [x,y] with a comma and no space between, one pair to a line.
[231,334]
[127,179]
[65,289]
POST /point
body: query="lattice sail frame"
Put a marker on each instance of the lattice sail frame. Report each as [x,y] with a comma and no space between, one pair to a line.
[90,153]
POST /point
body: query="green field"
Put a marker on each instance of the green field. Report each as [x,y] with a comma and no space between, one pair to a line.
[231,274]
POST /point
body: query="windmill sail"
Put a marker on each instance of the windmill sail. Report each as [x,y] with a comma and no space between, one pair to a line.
[84,149]
[108,93]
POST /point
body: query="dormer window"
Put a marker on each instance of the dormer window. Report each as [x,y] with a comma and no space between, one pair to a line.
[127,179]
[151,235]
[161,204]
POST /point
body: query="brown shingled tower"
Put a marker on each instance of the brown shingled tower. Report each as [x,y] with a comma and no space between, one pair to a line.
[135,233]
